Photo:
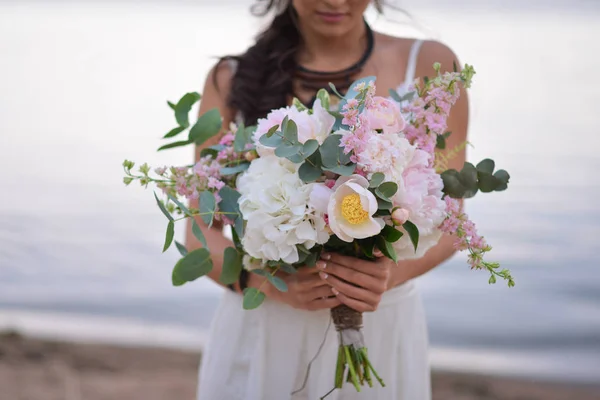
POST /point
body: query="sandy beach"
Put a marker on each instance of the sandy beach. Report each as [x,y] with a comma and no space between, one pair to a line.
[34,369]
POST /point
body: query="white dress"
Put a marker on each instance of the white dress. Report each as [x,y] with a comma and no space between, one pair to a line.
[264,354]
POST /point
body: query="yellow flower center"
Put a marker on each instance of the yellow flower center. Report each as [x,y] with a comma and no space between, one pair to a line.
[352,209]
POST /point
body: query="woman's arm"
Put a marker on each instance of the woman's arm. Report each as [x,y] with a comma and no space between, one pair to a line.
[458,122]
[214,95]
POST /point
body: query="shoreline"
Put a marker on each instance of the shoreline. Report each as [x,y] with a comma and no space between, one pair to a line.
[66,370]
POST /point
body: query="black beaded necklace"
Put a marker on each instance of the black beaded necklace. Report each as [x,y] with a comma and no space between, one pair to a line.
[312,80]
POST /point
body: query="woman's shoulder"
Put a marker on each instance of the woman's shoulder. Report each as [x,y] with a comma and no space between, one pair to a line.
[429,52]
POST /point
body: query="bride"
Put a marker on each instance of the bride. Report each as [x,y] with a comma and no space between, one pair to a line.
[264,354]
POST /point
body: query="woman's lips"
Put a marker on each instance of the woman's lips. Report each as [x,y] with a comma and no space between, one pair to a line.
[331,17]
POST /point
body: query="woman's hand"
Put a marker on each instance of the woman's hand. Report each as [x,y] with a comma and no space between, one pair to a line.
[359,284]
[306,290]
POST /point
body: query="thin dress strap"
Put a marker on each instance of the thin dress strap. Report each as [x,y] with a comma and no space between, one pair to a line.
[233,64]
[411,67]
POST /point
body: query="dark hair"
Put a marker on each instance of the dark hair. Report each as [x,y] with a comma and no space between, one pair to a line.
[263,79]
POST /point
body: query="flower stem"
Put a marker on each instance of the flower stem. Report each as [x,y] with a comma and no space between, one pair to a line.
[351,372]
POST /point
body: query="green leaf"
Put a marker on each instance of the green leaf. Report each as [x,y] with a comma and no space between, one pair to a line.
[409,96]
[278,283]
[252,298]
[311,260]
[195,264]
[271,141]
[468,176]
[452,185]
[391,234]
[176,280]
[287,268]
[487,182]
[207,126]
[332,154]
[426,79]
[486,165]
[235,169]
[344,170]
[386,248]
[169,235]
[367,246]
[298,104]
[174,132]
[323,95]
[232,266]
[162,208]
[229,205]
[173,106]
[272,130]
[286,150]
[175,144]
[183,107]
[207,207]
[199,234]
[383,204]
[242,138]
[376,179]
[309,147]
[386,190]
[332,86]
[503,177]
[394,95]
[440,142]
[183,208]
[212,151]
[413,233]
[182,250]
[236,241]
[492,279]
[309,173]
[290,132]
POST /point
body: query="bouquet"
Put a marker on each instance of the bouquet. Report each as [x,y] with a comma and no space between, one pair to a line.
[303,181]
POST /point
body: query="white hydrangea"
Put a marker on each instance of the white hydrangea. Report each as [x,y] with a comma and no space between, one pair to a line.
[275,203]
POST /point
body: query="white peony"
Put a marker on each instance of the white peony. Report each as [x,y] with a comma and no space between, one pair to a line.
[350,208]
[316,126]
[274,202]
[388,153]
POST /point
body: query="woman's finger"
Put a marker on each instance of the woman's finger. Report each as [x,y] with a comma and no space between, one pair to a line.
[368,267]
[319,292]
[353,276]
[357,305]
[354,292]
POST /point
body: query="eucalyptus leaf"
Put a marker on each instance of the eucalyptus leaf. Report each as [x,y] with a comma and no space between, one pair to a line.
[383,204]
[174,132]
[199,234]
[252,298]
[208,206]
[296,158]
[413,233]
[311,260]
[213,151]
[162,208]
[298,104]
[332,154]
[192,266]
[502,175]
[409,96]
[309,173]
[272,130]
[229,206]
[169,235]
[287,268]
[176,280]
[183,107]
[309,147]
[207,126]
[175,144]
[290,132]
[181,248]
[452,185]
[287,150]
[394,95]
[386,190]
[232,266]
[278,283]
[468,176]
[241,138]
[171,105]
[271,141]
[486,166]
[237,241]
[344,170]
[487,182]
[235,169]
[440,142]
[376,180]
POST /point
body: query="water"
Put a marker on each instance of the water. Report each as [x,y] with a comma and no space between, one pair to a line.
[84,86]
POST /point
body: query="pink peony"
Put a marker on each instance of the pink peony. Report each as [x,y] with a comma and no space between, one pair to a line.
[385,115]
